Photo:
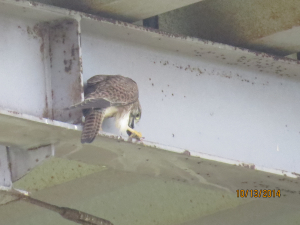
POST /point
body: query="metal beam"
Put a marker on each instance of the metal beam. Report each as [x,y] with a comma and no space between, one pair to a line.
[126,10]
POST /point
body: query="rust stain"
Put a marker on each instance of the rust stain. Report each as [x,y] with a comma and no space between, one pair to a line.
[186,152]
[57,26]
[46,111]
[296,174]
[42,47]
[10,166]
[73,50]
[29,30]
[80,66]
[68,65]
[50,55]
[14,112]
[41,146]
[40,29]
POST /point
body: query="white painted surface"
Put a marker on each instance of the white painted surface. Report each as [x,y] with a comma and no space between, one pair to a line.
[65,71]
[22,86]
[37,51]
[228,111]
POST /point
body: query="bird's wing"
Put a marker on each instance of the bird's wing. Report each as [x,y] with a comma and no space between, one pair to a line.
[103,91]
[95,103]
[96,79]
[92,125]
[115,89]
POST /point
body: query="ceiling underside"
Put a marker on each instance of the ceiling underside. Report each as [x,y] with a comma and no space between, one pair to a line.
[126,10]
[270,26]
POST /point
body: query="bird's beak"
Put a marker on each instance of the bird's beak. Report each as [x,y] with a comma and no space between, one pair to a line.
[130,124]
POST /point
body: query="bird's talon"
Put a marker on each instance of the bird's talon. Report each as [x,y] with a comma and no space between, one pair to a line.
[136,135]
[141,139]
[139,135]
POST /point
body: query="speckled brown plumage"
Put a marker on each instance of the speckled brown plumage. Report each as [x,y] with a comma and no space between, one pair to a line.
[116,89]
[108,96]
[93,121]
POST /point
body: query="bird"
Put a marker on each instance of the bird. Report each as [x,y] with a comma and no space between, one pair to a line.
[108,96]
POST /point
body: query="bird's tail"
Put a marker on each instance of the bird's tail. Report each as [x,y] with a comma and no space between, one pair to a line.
[92,125]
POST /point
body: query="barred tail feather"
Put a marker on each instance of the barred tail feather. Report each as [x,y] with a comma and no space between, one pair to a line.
[92,125]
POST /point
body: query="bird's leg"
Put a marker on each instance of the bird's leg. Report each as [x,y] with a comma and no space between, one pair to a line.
[134,133]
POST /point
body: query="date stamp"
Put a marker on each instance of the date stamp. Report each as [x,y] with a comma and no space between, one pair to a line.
[258,193]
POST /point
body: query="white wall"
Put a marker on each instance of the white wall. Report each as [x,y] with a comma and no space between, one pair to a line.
[227,111]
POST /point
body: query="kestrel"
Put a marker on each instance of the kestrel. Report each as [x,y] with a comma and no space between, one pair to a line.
[110,96]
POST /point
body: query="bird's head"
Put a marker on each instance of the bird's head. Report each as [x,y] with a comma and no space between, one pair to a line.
[135,115]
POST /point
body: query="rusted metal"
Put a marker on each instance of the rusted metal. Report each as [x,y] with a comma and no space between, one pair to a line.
[35,148]
[67,213]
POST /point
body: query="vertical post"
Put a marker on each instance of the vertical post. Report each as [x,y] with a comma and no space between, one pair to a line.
[66,70]
[5,174]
